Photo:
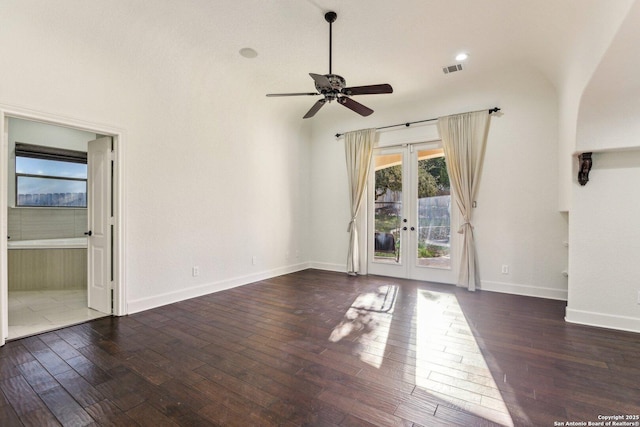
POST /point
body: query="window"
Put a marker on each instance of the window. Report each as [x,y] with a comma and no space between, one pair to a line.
[50,177]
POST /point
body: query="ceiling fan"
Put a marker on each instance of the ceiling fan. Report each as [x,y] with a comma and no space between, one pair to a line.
[332,87]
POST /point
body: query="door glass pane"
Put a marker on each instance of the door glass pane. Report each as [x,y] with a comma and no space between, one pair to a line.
[434,210]
[388,208]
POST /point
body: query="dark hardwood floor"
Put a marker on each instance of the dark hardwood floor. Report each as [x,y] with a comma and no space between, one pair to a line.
[324,349]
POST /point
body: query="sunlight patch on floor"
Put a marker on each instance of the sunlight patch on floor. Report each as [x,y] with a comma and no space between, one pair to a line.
[367,323]
[449,363]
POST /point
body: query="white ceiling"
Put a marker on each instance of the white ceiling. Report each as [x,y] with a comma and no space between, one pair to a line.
[405,42]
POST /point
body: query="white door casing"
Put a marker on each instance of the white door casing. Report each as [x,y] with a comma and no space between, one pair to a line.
[100,220]
[118,207]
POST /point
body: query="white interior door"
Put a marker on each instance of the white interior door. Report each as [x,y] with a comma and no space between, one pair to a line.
[411,215]
[99,200]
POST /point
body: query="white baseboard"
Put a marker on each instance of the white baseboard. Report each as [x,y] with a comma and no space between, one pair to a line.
[525,290]
[602,320]
[208,288]
[338,268]
[155,301]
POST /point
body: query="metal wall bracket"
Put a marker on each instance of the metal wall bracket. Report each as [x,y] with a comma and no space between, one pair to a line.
[584,167]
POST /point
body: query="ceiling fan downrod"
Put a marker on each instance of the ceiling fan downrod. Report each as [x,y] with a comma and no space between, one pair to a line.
[330,17]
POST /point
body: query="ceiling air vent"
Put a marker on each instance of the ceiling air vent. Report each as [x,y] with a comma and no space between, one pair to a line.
[452,68]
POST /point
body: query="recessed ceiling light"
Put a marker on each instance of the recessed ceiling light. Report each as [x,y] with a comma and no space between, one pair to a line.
[247,52]
[462,56]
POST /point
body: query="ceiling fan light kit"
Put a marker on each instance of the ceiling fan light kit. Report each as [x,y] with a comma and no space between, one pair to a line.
[333,87]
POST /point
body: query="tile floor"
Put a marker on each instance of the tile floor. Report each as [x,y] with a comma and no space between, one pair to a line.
[33,312]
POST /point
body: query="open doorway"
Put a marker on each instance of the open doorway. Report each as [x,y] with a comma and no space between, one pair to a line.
[56,270]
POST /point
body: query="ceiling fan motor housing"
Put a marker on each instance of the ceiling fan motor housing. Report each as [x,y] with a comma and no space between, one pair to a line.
[337,84]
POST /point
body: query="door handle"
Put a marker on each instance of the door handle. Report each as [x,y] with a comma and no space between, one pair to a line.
[88,233]
[404,228]
[413,229]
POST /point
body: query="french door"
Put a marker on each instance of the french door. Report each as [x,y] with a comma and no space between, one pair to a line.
[411,215]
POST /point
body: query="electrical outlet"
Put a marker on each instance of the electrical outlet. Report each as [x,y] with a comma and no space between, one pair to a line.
[638,297]
[254,259]
[195,271]
[505,269]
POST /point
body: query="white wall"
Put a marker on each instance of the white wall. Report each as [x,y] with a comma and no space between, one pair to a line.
[208,175]
[600,27]
[609,106]
[604,238]
[30,132]
[516,222]
[605,244]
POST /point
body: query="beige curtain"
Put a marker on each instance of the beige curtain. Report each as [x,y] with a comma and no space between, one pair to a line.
[464,138]
[358,149]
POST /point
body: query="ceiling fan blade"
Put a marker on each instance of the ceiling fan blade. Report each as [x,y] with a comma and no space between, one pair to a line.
[321,81]
[355,106]
[368,90]
[293,94]
[317,106]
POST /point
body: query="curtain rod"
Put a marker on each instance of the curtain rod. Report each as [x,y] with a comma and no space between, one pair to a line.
[491,111]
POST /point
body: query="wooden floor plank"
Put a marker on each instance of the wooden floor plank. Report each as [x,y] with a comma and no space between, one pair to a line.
[81,390]
[21,396]
[65,408]
[38,378]
[305,349]
[146,415]
[8,416]
[108,414]
[40,418]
